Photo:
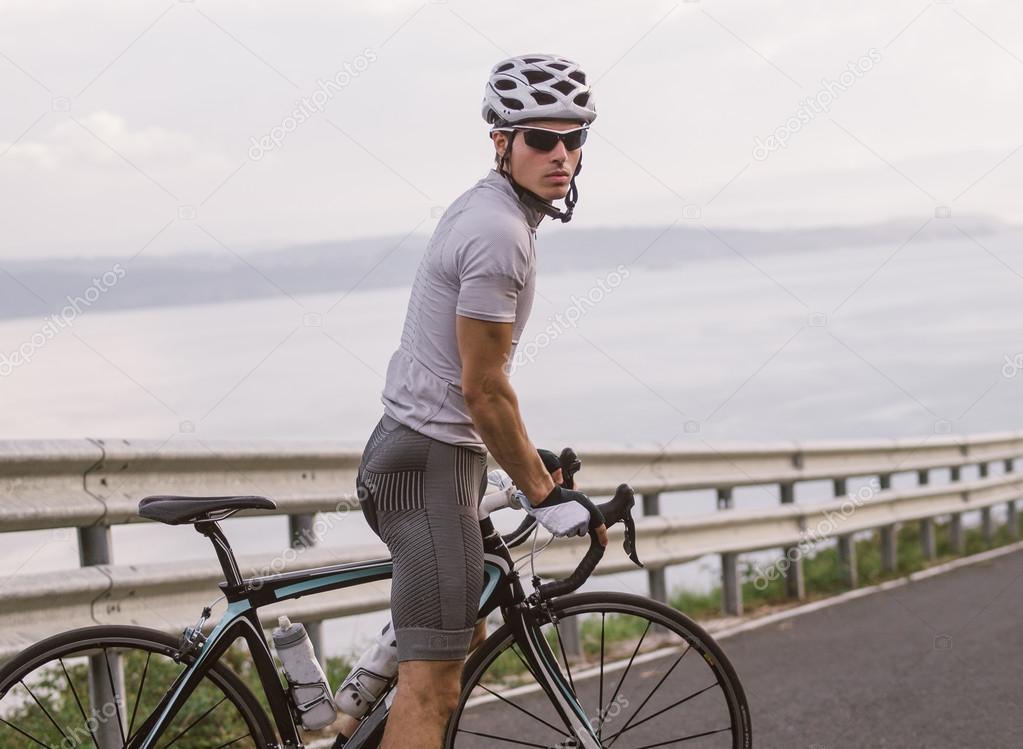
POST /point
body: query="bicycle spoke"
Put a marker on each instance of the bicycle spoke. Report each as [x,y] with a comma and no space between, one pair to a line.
[117,705]
[138,696]
[523,661]
[232,741]
[626,673]
[685,738]
[194,722]
[600,697]
[45,711]
[652,691]
[522,709]
[663,710]
[27,736]
[501,738]
[564,656]
[78,702]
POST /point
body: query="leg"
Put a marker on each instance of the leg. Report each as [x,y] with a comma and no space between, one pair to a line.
[479,634]
[427,695]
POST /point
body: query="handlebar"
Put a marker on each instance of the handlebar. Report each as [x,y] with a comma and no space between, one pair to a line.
[616,510]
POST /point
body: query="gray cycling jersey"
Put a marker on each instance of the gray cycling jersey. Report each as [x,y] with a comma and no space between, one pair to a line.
[479,263]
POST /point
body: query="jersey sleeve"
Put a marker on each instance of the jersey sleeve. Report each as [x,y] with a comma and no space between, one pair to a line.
[493,265]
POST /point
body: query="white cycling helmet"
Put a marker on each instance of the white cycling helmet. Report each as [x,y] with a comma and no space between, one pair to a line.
[537,87]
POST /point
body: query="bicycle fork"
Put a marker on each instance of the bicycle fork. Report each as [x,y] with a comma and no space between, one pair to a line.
[525,625]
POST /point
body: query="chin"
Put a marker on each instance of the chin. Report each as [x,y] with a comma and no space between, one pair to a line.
[556,193]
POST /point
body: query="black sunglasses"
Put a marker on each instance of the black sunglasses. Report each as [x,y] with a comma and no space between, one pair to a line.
[543,139]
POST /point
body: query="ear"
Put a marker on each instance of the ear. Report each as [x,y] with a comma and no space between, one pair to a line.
[500,142]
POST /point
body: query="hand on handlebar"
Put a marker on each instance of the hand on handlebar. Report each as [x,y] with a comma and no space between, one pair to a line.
[565,512]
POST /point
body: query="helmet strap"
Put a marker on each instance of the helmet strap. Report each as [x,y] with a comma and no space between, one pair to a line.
[534,201]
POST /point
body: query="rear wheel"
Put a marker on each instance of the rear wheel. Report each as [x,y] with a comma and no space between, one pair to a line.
[95,687]
[646,675]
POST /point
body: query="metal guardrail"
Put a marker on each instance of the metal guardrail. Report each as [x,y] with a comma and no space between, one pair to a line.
[93,484]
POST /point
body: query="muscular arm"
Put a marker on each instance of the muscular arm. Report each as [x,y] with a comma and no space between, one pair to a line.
[484,348]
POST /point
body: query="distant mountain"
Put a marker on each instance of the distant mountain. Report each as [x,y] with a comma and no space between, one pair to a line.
[38,288]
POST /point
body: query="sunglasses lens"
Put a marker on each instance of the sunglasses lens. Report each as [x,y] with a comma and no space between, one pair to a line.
[544,140]
[540,140]
[574,139]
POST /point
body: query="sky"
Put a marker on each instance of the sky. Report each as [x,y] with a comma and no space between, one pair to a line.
[136,126]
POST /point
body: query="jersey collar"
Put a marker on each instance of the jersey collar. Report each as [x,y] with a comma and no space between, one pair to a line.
[532,215]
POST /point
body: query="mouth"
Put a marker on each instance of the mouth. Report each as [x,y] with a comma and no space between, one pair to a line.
[558,176]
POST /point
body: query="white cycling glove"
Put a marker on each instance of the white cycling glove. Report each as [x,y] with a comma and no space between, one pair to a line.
[560,512]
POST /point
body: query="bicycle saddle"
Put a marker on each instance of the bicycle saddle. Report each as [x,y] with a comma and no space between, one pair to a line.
[173,510]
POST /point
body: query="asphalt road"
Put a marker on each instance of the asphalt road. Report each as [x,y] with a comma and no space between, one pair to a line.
[936,663]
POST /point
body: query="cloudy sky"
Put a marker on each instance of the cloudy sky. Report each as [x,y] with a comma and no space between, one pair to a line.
[131,125]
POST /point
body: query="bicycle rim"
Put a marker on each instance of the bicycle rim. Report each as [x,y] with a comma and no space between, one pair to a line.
[96,687]
[646,675]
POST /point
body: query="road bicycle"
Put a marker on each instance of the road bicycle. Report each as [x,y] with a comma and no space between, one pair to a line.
[563,669]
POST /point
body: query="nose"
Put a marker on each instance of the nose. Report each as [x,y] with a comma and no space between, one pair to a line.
[559,152]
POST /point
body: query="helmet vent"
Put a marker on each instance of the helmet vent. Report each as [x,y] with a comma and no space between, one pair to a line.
[541,97]
[504,85]
[537,76]
[506,66]
[578,76]
[582,98]
[557,65]
[511,103]
[564,87]
[531,60]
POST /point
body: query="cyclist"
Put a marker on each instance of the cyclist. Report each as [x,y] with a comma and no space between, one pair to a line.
[498,480]
[447,398]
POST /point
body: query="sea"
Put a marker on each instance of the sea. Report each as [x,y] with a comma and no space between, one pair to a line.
[889,340]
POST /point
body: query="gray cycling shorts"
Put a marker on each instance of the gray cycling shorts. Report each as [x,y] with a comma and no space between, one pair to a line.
[420,496]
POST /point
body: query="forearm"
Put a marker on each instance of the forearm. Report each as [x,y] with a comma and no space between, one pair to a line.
[495,412]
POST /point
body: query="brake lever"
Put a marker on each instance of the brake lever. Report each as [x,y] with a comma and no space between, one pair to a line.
[570,465]
[630,539]
[619,509]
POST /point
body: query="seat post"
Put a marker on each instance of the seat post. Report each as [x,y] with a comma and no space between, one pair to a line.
[212,531]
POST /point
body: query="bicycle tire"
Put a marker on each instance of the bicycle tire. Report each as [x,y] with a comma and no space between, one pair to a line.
[605,603]
[80,643]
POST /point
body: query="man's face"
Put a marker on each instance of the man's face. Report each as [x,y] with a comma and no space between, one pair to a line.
[547,173]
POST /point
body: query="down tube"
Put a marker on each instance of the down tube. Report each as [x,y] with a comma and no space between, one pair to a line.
[151,731]
[538,654]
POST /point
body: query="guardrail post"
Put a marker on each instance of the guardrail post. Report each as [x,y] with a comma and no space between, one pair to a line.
[106,672]
[795,583]
[725,501]
[731,585]
[889,534]
[987,527]
[956,537]
[927,544]
[889,548]
[656,578]
[302,535]
[1013,520]
[846,545]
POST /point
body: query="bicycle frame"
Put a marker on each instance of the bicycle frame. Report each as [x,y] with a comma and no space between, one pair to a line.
[502,588]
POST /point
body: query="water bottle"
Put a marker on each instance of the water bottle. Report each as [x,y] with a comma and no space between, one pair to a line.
[370,675]
[309,689]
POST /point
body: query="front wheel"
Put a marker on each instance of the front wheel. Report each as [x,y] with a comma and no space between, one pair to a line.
[646,675]
[95,687]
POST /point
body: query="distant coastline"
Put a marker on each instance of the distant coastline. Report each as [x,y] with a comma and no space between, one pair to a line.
[36,288]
